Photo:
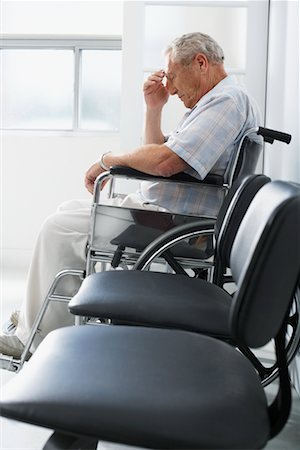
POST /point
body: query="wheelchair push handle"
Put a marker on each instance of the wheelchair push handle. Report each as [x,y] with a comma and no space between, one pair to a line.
[273,135]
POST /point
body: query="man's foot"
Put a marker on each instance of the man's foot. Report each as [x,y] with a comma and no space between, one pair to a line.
[14,318]
[11,345]
[10,326]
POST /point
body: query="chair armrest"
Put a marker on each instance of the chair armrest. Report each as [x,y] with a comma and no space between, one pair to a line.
[171,237]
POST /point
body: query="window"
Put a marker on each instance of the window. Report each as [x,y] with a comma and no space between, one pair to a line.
[100,90]
[37,89]
[61,84]
[61,64]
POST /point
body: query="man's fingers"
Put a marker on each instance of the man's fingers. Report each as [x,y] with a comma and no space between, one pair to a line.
[149,84]
[154,79]
[89,184]
[159,74]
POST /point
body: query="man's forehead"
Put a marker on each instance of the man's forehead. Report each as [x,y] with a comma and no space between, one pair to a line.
[171,66]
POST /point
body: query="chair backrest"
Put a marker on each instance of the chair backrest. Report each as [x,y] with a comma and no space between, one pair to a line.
[232,212]
[265,263]
[244,159]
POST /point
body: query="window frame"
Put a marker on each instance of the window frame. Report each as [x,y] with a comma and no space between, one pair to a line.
[55,42]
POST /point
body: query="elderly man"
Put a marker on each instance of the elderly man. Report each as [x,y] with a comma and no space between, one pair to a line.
[220,111]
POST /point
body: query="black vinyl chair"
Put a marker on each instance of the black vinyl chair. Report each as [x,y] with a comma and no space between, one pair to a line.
[168,388]
[200,306]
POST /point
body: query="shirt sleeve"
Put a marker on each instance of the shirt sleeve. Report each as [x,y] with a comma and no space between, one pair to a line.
[202,140]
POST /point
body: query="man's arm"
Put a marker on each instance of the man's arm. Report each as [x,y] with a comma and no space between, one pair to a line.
[152,130]
[156,96]
[153,159]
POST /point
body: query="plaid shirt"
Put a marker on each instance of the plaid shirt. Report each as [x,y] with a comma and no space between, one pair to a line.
[205,138]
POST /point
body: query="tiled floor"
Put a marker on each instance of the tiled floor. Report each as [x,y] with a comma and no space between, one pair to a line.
[19,436]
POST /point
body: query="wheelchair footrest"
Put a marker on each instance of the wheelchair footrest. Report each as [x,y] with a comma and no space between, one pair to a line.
[9,363]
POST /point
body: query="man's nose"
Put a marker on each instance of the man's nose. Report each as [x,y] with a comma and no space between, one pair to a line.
[171,88]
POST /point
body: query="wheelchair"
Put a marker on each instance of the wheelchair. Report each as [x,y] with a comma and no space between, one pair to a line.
[169,388]
[128,231]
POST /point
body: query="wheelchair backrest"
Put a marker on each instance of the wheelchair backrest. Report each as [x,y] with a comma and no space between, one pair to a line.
[232,212]
[245,157]
[265,263]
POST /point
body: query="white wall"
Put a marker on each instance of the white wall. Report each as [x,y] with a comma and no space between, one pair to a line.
[281,161]
[40,171]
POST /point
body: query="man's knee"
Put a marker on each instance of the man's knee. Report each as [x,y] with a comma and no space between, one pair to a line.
[67,221]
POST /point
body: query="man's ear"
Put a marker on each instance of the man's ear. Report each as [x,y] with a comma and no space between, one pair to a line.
[201,61]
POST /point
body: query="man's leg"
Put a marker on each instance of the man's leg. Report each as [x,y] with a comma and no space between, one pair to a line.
[61,245]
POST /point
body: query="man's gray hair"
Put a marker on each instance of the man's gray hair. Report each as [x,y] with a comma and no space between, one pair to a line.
[184,48]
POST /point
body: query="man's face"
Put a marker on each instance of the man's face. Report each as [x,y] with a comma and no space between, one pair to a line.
[185,81]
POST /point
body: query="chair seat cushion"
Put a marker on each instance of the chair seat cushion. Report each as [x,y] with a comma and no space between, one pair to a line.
[153,298]
[141,386]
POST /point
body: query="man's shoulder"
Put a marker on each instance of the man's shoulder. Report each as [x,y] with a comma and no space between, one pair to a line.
[230,87]
[232,92]
[223,96]
[227,89]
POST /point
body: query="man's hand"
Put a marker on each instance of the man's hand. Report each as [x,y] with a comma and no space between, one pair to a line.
[155,92]
[92,173]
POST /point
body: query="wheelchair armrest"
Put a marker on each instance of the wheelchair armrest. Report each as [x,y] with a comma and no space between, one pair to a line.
[127,172]
[212,180]
[171,237]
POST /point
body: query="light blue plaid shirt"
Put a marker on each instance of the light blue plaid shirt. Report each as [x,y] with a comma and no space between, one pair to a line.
[205,138]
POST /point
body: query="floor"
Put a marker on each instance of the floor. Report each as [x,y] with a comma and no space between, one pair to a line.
[19,436]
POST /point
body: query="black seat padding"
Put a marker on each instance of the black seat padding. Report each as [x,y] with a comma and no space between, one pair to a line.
[143,387]
[148,297]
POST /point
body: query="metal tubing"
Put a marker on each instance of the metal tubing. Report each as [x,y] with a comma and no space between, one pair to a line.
[49,297]
[98,185]
[171,243]
[9,363]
